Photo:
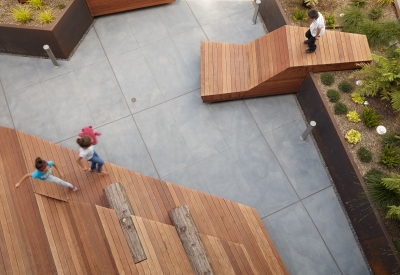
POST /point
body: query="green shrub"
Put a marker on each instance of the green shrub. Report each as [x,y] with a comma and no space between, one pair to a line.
[310,3]
[370,118]
[352,116]
[378,193]
[330,19]
[340,108]
[333,95]
[352,18]
[61,5]
[384,2]
[360,3]
[353,136]
[357,98]
[392,138]
[299,14]
[391,31]
[46,17]
[373,31]
[383,77]
[345,86]
[392,52]
[36,4]
[390,157]
[364,154]
[393,212]
[375,13]
[327,79]
[392,183]
[21,14]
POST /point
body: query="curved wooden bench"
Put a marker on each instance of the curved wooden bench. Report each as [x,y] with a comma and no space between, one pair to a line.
[275,63]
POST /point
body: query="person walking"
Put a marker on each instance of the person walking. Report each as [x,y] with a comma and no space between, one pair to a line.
[317,28]
[44,171]
[88,153]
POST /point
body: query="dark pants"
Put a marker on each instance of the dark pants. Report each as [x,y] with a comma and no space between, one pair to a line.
[311,41]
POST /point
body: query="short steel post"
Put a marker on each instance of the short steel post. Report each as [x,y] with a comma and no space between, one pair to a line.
[258,2]
[308,130]
[51,55]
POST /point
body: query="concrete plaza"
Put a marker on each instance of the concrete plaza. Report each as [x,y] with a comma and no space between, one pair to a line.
[136,78]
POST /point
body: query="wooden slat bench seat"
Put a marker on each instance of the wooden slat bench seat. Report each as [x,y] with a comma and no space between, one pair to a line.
[101,7]
[275,63]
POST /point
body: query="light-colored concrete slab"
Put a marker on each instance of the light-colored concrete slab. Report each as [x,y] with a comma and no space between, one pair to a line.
[115,35]
[207,11]
[103,95]
[234,7]
[172,74]
[273,111]
[124,146]
[303,246]
[197,126]
[299,159]
[245,26]
[46,69]
[5,117]
[163,139]
[136,81]
[30,112]
[235,121]
[189,177]
[223,30]
[89,51]
[177,17]
[17,72]
[328,216]
[264,175]
[67,105]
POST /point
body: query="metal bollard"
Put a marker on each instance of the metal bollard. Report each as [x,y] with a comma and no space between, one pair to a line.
[51,55]
[308,130]
[258,2]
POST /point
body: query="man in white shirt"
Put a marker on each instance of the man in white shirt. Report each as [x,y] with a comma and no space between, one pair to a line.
[317,28]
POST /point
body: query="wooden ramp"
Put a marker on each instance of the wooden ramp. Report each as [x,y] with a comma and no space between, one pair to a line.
[46,230]
[275,63]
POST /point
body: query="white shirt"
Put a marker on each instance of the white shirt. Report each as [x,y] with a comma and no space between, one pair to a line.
[86,153]
[318,23]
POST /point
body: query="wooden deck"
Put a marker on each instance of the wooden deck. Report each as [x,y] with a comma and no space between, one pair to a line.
[46,229]
[275,63]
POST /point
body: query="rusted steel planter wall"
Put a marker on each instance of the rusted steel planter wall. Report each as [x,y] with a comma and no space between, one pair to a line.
[62,37]
[272,14]
[373,237]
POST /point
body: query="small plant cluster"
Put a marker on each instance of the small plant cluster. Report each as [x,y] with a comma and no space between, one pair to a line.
[357,98]
[379,33]
[384,191]
[345,86]
[330,19]
[299,14]
[353,116]
[23,13]
[327,79]
[370,118]
[310,3]
[364,154]
[340,108]
[333,95]
[390,156]
[382,78]
[353,136]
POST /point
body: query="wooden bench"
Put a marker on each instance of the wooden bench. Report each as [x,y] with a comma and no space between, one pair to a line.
[275,63]
[101,7]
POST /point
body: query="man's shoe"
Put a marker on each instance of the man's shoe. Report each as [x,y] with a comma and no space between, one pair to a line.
[306,42]
[310,51]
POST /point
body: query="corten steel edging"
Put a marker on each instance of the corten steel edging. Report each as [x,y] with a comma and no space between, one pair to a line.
[371,232]
[62,36]
[272,14]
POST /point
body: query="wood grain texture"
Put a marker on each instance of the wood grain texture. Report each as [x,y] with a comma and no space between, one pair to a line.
[78,235]
[254,68]
[101,7]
